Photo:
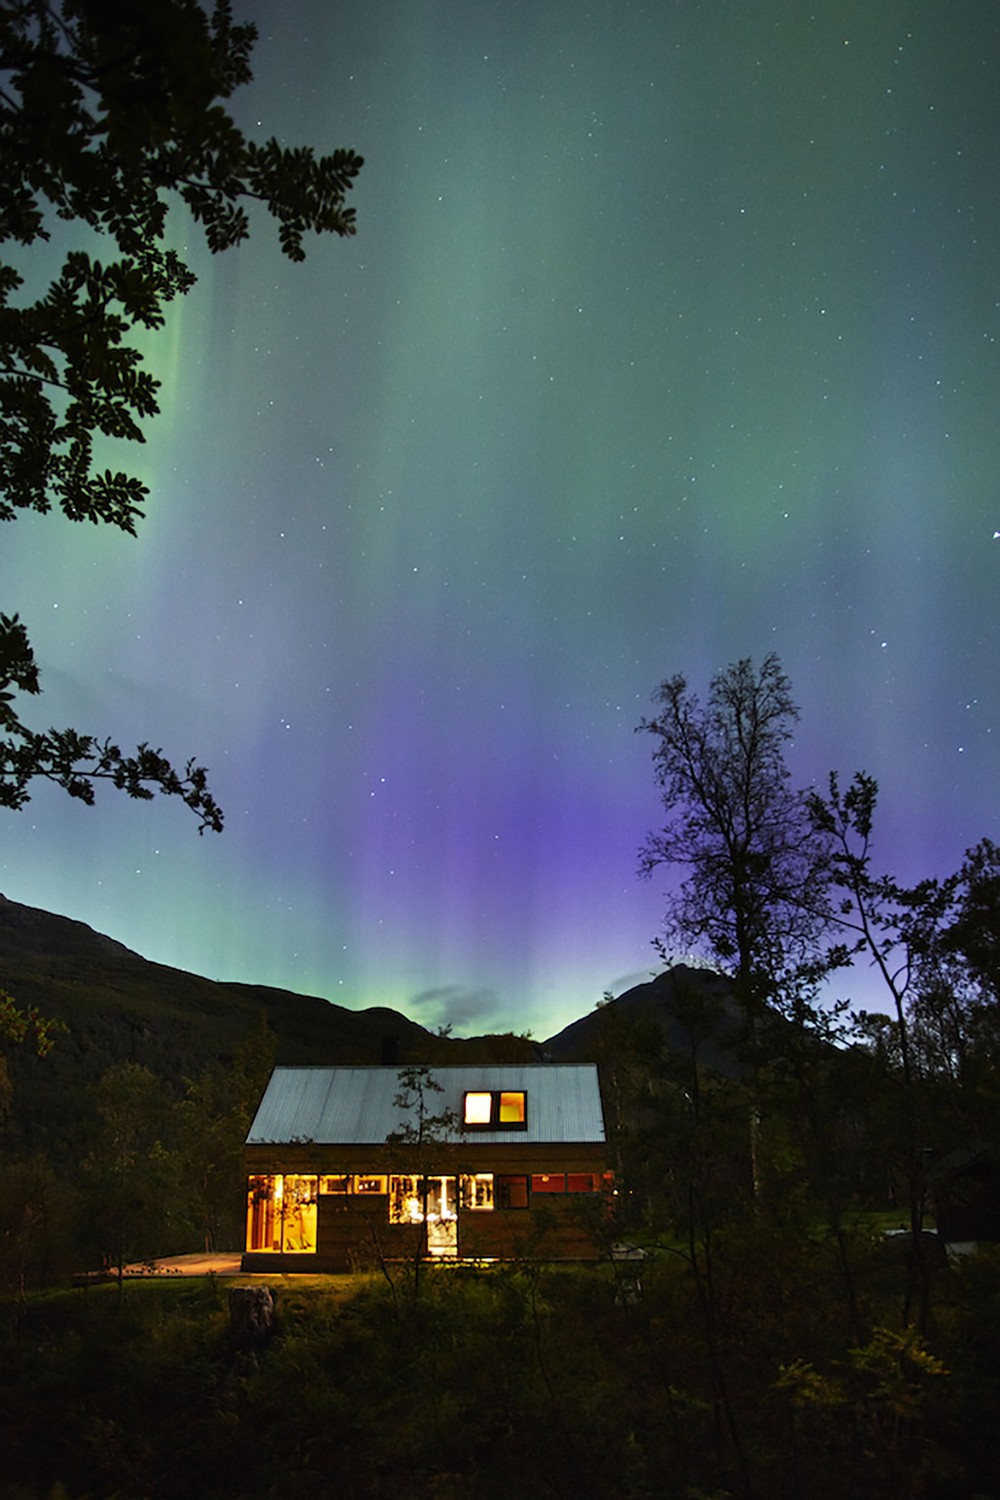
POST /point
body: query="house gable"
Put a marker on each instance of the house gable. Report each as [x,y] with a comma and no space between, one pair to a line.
[336,1159]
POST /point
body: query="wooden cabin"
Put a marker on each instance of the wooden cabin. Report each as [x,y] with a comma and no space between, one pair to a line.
[477,1163]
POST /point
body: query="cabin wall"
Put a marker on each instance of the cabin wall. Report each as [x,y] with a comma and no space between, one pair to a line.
[553,1231]
[354,1229]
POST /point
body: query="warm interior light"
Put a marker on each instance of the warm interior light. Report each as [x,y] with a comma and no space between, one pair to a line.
[477,1191]
[369,1184]
[581,1182]
[548,1182]
[511,1108]
[298,1212]
[281,1214]
[404,1200]
[478,1108]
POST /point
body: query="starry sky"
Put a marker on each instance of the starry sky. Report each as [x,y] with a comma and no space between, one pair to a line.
[668,337]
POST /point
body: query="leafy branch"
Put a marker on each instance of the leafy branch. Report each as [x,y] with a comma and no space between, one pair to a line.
[108,114]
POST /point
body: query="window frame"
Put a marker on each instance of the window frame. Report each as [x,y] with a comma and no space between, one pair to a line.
[496,1096]
[281,1206]
[502,1195]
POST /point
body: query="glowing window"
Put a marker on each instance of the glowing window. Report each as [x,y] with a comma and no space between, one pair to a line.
[478,1109]
[477,1191]
[548,1182]
[412,1199]
[370,1185]
[281,1214]
[262,1225]
[582,1182]
[499,1109]
[334,1184]
[404,1200]
[511,1110]
[298,1214]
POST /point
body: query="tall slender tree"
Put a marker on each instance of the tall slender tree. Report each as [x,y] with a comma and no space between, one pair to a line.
[896,927]
[429,1139]
[753,900]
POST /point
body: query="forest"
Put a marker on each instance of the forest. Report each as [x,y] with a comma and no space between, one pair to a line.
[771,1339]
[799,1286]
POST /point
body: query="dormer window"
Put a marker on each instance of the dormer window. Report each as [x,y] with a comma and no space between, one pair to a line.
[495,1109]
[511,1107]
[478,1109]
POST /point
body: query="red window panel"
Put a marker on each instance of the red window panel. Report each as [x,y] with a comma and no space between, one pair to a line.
[581,1182]
[548,1182]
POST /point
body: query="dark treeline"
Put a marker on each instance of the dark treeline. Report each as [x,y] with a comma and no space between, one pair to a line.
[782,892]
[155,1166]
[519,1378]
[752,1331]
[781,1308]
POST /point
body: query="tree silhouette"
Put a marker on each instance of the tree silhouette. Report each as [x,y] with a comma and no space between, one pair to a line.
[427,1137]
[108,113]
[754,898]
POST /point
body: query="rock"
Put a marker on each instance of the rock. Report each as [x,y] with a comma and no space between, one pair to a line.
[252,1311]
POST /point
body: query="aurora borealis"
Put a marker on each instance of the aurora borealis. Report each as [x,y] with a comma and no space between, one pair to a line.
[668,337]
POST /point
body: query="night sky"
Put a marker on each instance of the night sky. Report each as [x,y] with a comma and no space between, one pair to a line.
[668,337]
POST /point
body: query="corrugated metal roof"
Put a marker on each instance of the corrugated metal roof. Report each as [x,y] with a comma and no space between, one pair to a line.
[355,1106]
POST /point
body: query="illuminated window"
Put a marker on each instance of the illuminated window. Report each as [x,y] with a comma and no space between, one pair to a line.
[433,1199]
[478,1109]
[298,1215]
[404,1200]
[582,1182]
[334,1184]
[511,1109]
[261,1222]
[477,1191]
[548,1182]
[500,1109]
[281,1214]
[370,1185]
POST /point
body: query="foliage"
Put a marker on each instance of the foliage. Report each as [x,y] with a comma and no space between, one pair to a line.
[130,1173]
[973,934]
[931,944]
[879,1399]
[108,113]
[754,896]
[38,1219]
[426,1136]
[954,1012]
[107,110]
[17,1024]
[421,1129]
[210,1128]
[524,1379]
[77,762]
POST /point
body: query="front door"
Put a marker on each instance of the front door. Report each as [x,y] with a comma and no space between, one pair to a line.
[442,1217]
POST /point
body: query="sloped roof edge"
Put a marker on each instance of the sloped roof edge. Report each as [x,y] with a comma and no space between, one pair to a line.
[357,1106]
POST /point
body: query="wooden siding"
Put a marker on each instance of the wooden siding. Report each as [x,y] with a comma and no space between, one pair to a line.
[467,1157]
[354,1228]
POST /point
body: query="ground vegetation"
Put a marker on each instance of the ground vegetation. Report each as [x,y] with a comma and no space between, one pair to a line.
[775,1312]
[551,1381]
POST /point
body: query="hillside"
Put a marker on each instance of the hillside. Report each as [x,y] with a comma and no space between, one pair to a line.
[119,1007]
[692,1010]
